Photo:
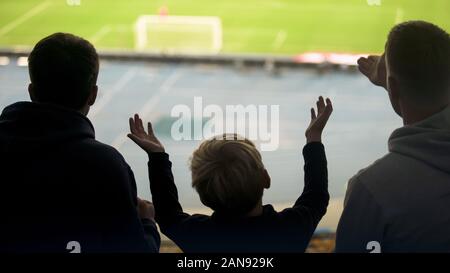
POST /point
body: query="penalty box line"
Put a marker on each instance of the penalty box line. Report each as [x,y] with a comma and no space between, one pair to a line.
[108,96]
[100,34]
[147,108]
[31,13]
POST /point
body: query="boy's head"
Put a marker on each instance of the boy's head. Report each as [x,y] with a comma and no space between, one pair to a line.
[228,174]
[63,71]
[418,65]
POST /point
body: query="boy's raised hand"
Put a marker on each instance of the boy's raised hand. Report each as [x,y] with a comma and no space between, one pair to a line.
[318,122]
[374,68]
[146,141]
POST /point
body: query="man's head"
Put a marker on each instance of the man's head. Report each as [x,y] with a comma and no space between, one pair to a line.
[228,174]
[418,66]
[63,71]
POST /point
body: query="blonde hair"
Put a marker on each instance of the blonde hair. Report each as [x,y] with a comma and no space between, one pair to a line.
[227,173]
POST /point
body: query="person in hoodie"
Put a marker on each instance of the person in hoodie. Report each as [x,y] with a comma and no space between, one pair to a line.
[401,202]
[61,189]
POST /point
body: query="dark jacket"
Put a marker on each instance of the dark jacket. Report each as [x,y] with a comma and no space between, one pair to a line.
[58,184]
[287,231]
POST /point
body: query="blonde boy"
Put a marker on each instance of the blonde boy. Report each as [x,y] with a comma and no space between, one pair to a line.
[230,178]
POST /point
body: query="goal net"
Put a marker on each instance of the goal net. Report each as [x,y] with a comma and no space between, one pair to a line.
[179,34]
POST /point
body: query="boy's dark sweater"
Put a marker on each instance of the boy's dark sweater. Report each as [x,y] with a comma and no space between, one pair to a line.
[287,231]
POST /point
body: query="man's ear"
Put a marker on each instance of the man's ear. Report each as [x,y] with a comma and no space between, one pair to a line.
[93,95]
[31,92]
[266,179]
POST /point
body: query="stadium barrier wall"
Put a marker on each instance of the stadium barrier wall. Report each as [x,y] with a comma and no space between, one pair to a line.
[322,61]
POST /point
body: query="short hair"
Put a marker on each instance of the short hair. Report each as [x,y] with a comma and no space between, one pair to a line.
[418,54]
[63,69]
[227,173]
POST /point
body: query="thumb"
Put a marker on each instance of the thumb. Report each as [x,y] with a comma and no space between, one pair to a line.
[135,139]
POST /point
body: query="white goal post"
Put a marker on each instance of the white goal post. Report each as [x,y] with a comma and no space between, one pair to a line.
[178,34]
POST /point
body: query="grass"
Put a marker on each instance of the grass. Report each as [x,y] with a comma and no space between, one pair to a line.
[249,26]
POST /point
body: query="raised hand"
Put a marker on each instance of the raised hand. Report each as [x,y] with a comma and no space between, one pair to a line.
[147,141]
[318,122]
[374,68]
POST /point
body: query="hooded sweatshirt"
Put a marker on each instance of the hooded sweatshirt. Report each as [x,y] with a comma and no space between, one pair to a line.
[59,185]
[401,203]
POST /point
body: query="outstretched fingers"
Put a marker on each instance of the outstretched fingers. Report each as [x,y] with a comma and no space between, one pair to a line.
[328,109]
[313,114]
[147,141]
[329,106]
[320,106]
[318,120]
[373,59]
[138,124]
[364,64]
[132,126]
[325,113]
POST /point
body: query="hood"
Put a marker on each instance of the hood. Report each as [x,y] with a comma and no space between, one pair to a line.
[29,125]
[427,141]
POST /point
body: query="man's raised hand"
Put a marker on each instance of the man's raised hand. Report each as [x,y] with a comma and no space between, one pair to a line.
[374,68]
[147,141]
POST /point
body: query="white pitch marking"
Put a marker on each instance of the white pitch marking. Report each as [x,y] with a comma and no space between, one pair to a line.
[100,34]
[280,39]
[163,89]
[399,15]
[105,99]
[148,106]
[32,12]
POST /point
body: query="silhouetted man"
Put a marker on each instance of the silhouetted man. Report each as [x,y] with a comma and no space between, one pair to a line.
[401,202]
[57,183]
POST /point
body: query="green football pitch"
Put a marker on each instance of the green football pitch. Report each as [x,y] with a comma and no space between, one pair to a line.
[249,26]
